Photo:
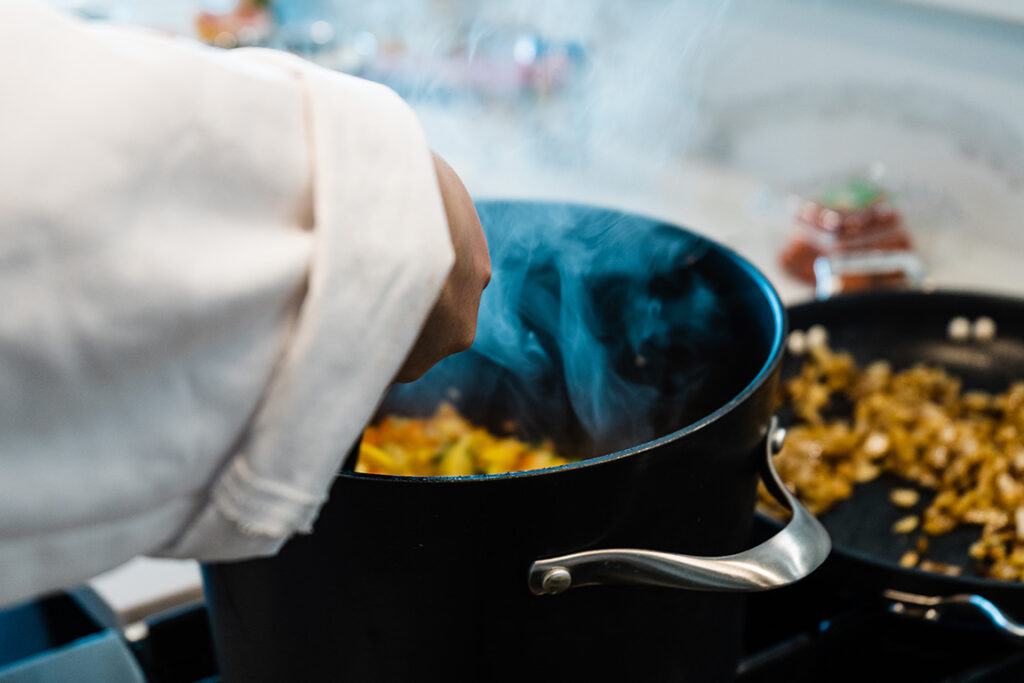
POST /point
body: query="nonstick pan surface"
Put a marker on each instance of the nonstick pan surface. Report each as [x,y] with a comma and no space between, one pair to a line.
[907,328]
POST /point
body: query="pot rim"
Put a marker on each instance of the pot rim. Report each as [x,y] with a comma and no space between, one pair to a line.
[774,359]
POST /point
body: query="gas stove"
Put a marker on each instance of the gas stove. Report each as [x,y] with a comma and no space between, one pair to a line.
[803,633]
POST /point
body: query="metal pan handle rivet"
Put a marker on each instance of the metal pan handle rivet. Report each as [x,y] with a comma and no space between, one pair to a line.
[556,580]
[778,440]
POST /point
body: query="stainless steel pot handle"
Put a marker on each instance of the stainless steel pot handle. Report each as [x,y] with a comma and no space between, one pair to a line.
[793,553]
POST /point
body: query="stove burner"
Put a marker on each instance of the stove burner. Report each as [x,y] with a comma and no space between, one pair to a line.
[806,633]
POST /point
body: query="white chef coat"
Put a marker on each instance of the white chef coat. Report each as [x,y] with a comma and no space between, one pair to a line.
[211,266]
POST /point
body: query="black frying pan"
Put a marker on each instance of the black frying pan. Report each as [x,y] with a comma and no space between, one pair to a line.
[907,328]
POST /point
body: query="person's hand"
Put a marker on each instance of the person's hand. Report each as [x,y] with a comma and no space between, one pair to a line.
[451,325]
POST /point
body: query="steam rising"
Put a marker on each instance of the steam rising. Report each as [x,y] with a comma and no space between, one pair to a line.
[598,319]
[622,111]
[596,326]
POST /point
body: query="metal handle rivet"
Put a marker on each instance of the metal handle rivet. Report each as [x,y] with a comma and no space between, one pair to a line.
[778,439]
[556,580]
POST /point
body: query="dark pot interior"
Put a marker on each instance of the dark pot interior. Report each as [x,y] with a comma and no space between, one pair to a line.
[603,330]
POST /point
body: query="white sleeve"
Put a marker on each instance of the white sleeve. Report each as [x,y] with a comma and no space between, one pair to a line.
[211,266]
[381,256]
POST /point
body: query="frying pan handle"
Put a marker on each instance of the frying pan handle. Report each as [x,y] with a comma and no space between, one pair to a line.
[934,607]
[790,555]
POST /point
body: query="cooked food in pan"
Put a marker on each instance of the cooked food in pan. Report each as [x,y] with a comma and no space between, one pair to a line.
[446,445]
[923,426]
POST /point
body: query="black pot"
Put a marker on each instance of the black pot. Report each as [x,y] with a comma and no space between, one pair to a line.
[421,579]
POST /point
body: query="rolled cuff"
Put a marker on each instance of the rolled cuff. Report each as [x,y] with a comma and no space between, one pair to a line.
[382,252]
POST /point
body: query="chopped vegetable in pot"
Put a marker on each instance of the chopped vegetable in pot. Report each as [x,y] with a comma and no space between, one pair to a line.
[446,445]
[919,423]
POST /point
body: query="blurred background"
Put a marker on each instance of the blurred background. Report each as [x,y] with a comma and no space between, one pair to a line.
[786,129]
[727,116]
